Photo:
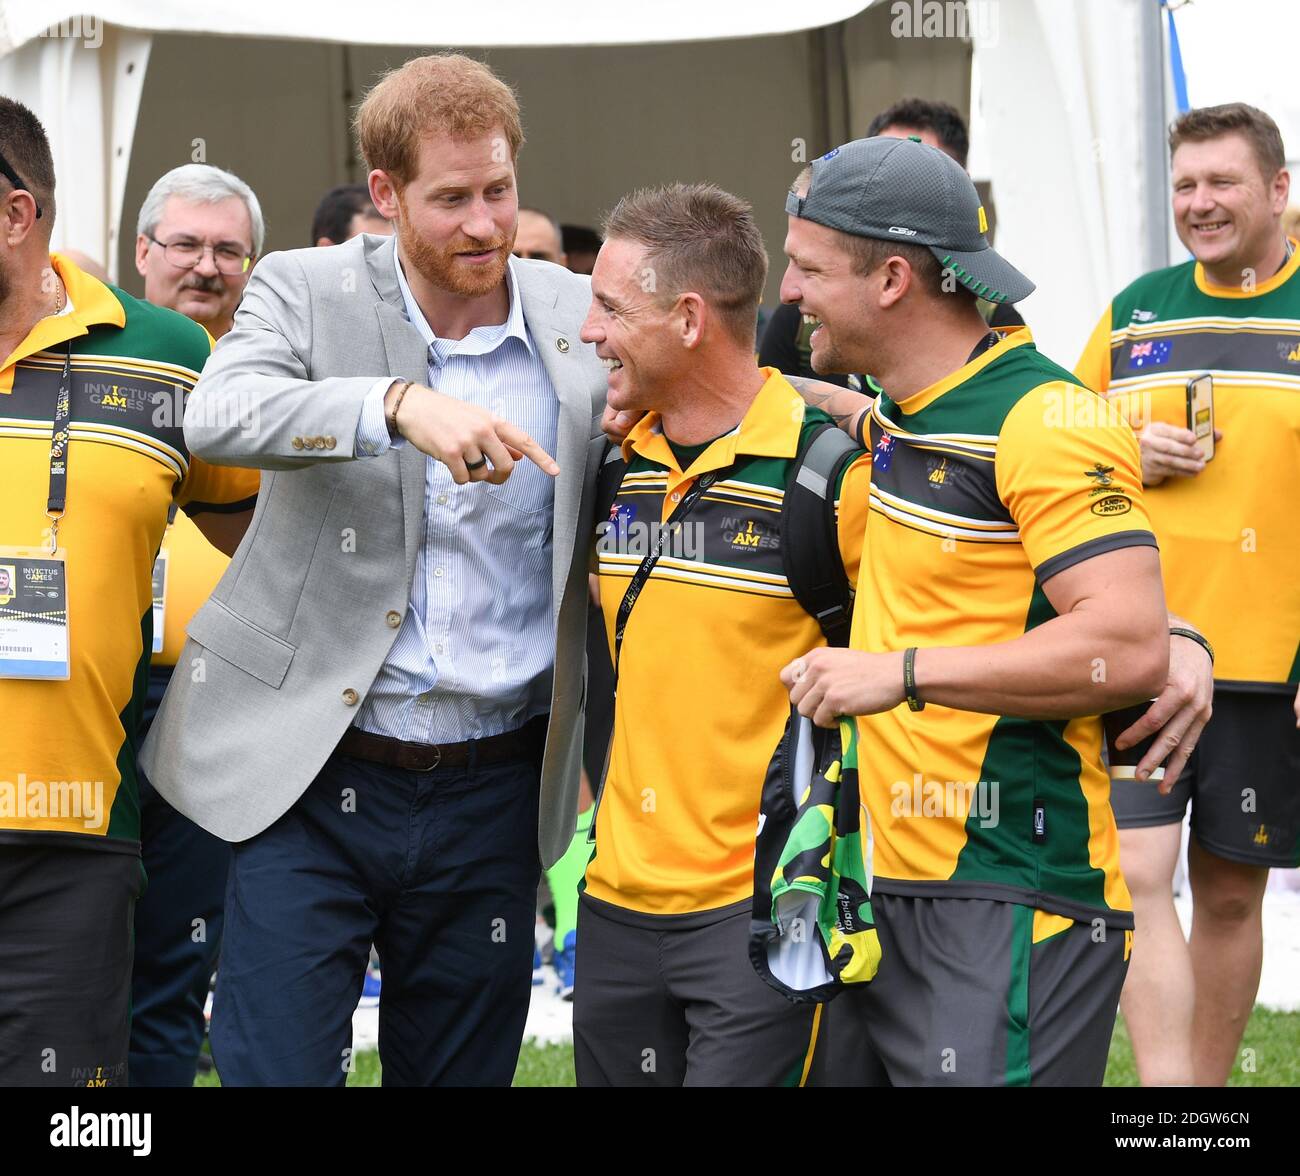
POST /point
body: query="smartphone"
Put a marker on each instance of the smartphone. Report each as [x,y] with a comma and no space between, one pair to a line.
[1200,413]
[1123,764]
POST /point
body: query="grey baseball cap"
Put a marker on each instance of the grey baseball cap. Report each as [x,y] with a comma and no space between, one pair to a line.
[904,190]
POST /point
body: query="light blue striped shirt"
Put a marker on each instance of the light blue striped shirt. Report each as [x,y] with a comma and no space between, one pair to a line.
[475,651]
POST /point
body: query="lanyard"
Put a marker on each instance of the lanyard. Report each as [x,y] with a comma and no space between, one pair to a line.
[990,341]
[59,445]
[639,578]
[642,573]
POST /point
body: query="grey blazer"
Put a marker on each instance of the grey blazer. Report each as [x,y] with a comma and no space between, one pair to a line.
[280,657]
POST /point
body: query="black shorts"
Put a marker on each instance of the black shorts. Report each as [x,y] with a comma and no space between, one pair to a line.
[976,992]
[65,964]
[1243,781]
[672,1000]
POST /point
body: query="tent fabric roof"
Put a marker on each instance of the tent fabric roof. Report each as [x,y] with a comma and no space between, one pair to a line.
[417,22]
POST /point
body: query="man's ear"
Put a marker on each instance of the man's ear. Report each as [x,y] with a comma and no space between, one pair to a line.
[20,216]
[141,254]
[896,280]
[1281,191]
[693,313]
[383,194]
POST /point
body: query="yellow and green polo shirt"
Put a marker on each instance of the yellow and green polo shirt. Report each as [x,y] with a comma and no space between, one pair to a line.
[1229,540]
[700,706]
[983,486]
[67,748]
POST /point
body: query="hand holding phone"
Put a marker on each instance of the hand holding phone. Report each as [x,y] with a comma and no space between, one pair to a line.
[1200,413]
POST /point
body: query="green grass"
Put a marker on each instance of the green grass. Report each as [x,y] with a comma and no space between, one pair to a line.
[1275,1038]
[545,1065]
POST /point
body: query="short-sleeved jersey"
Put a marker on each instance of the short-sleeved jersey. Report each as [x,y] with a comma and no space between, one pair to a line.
[983,487]
[67,748]
[700,706]
[1229,539]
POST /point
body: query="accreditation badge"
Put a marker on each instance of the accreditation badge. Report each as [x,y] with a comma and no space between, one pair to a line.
[159,599]
[33,614]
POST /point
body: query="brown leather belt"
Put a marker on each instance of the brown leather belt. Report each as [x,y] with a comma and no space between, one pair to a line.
[525,743]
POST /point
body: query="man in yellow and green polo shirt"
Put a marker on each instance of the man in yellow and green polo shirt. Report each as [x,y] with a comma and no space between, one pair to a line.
[1009,590]
[82,518]
[1227,322]
[665,992]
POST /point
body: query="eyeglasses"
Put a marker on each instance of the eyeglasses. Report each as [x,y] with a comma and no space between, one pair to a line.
[186,254]
[16,180]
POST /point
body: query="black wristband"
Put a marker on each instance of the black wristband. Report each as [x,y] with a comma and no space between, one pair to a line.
[909,680]
[1193,635]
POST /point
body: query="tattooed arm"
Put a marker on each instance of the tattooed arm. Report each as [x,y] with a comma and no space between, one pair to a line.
[844,406]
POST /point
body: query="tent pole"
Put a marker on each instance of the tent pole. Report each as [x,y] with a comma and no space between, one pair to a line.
[1155,151]
[832,119]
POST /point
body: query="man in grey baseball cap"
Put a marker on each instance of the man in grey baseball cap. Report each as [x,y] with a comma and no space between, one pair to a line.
[1007,557]
[904,191]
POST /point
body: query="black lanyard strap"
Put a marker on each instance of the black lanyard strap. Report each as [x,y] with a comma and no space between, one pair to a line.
[639,578]
[642,574]
[59,446]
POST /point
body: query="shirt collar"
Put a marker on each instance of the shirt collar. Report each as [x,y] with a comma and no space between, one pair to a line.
[480,340]
[769,428]
[1019,337]
[90,304]
[1271,283]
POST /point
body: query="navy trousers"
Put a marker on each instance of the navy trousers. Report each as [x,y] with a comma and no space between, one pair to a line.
[177,931]
[439,870]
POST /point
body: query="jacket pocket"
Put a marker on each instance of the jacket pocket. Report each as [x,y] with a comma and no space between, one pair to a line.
[241,643]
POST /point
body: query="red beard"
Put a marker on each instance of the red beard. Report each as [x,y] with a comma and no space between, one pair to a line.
[439,266]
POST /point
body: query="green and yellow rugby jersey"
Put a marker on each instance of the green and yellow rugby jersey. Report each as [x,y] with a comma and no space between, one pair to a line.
[67,749]
[1229,541]
[984,486]
[700,705]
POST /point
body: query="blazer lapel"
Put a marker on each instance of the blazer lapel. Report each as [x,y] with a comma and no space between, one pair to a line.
[408,359]
[559,349]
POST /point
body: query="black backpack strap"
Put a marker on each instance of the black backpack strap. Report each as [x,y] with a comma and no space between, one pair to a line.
[609,477]
[810,548]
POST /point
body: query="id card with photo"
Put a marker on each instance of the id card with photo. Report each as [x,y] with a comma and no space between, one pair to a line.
[33,614]
[159,600]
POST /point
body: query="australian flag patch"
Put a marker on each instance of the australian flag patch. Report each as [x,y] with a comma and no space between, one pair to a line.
[883,456]
[1149,353]
[620,515]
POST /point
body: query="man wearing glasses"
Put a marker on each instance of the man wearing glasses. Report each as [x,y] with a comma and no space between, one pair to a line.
[199,230]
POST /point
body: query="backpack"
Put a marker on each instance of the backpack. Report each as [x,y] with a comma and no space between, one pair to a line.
[811,927]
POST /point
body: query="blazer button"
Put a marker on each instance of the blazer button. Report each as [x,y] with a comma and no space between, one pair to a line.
[561,344]
[296,442]
[319,442]
[330,443]
[350,697]
[394,618]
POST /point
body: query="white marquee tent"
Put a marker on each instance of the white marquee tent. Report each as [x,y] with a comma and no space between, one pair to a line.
[1068,102]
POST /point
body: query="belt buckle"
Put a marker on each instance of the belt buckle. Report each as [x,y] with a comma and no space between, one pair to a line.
[437,759]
